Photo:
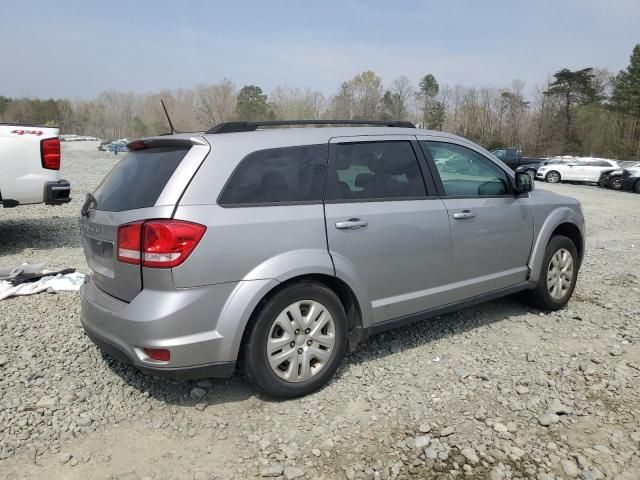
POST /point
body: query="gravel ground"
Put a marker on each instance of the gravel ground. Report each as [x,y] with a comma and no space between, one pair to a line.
[495,391]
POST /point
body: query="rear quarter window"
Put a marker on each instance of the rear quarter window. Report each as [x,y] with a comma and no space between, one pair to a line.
[276,176]
[138,179]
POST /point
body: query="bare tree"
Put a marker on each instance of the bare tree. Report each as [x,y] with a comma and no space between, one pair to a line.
[215,103]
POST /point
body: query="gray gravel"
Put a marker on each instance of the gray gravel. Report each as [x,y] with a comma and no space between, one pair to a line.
[495,391]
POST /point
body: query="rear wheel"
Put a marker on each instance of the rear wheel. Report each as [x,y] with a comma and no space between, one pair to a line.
[552,177]
[616,183]
[558,276]
[297,341]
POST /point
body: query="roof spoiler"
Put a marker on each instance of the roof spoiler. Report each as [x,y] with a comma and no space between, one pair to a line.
[165,141]
[233,127]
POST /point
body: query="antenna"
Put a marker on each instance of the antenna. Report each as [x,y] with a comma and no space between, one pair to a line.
[173,130]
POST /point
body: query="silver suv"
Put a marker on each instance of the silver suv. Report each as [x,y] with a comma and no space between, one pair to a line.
[277,249]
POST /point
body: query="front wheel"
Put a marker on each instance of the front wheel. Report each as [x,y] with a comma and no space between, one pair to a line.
[558,276]
[552,177]
[297,341]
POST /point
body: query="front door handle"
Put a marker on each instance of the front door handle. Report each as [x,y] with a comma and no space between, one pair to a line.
[464,214]
[351,224]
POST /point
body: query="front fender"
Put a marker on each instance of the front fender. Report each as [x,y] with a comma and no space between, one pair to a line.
[556,218]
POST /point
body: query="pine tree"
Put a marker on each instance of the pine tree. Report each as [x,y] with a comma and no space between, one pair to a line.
[429,88]
[252,104]
[626,96]
[574,88]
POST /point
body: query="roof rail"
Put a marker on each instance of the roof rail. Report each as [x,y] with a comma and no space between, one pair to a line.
[233,127]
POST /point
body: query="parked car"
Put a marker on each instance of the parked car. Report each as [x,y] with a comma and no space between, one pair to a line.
[30,166]
[514,159]
[532,168]
[580,170]
[117,147]
[630,179]
[104,145]
[278,249]
[612,178]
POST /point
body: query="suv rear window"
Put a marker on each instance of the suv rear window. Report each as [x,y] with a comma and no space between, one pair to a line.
[138,179]
[278,175]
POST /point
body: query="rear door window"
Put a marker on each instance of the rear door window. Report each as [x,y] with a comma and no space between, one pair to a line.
[383,170]
[138,180]
[600,163]
[277,176]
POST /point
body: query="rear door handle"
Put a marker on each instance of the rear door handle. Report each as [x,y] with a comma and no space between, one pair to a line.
[464,214]
[351,224]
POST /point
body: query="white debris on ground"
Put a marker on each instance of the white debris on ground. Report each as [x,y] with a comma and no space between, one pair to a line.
[495,391]
[68,282]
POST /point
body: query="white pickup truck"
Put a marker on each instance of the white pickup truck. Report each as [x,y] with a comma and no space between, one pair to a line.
[30,166]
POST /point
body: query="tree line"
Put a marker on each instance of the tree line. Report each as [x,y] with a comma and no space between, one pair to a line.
[588,111]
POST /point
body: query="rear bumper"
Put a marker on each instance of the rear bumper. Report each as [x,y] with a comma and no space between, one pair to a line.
[57,193]
[183,321]
[219,370]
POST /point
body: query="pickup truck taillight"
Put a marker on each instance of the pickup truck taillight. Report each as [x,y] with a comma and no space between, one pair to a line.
[159,243]
[50,153]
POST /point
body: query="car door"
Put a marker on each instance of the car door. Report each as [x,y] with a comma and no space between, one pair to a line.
[386,231]
[491,228]
[575,171]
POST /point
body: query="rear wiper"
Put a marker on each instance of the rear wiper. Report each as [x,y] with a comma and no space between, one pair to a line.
[89,200]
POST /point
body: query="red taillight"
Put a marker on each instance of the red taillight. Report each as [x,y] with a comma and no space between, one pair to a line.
[137,145]
[130,242]
[158,243]
[50,153]
[168,243]
[160,354]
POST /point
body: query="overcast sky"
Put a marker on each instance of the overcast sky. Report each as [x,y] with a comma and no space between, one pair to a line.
[77,49]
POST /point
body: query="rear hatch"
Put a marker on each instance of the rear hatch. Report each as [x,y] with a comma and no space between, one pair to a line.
[146,184]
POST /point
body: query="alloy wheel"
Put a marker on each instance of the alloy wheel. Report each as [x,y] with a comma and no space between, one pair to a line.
[553,177]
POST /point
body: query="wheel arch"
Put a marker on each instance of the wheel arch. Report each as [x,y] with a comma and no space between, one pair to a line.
[563,221]
[344,292]
[571,231]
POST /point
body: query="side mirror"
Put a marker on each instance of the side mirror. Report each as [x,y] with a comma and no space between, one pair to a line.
[524,182]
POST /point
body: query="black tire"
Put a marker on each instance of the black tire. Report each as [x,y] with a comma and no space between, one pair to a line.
[637,187]
[540,296]
[616,183]
[552,177]
[255,363]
